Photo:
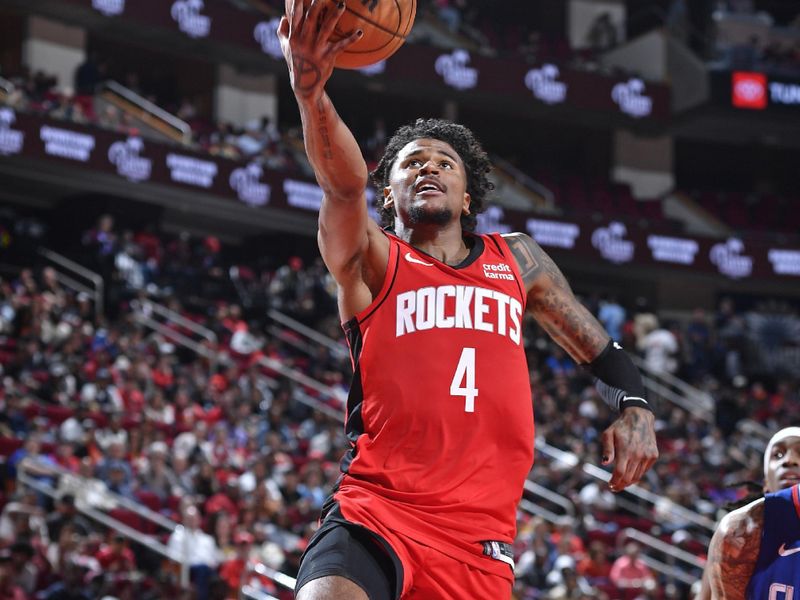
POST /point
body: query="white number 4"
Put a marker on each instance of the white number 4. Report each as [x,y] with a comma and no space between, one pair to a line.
[463,383]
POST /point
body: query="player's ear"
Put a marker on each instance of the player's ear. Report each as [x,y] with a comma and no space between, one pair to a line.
[467,202]
[388,198]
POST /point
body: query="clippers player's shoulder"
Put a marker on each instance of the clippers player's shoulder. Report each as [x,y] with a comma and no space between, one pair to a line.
[535,265]
[734,550]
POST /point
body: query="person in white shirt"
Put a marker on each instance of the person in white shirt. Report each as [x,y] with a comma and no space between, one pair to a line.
[190,544]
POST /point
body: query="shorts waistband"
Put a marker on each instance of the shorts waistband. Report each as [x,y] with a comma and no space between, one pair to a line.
[499,551]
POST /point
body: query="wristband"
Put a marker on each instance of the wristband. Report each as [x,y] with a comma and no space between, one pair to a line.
[617,379]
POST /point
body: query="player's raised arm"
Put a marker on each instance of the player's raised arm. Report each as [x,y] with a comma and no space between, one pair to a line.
[630,442]
[733,553]
[344,225]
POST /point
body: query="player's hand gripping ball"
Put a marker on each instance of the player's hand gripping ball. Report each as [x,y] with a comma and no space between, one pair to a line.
[385,24]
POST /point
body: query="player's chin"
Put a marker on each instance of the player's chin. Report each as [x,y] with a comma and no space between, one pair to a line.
[429,213]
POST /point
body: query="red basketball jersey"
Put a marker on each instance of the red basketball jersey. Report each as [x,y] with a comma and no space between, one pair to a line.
[440,415]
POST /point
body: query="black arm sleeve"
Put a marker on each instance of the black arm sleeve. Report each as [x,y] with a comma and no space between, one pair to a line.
[617,379]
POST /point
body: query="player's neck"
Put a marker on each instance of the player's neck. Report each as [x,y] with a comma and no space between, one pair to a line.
[442,243]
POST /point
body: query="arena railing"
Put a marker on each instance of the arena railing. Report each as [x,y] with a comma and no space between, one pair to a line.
[96,291]
[147,313]
[282,579]
[677,391]
[215,354]
[99,516]
[694,562]
[335,347]
[148,113]
[680,513]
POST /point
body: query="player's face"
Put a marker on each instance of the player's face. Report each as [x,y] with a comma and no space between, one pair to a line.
[427,184]
[783,468]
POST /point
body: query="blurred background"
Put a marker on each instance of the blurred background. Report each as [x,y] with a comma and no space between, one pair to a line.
[173,370]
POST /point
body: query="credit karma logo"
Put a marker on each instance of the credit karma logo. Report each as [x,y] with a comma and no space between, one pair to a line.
[749,90]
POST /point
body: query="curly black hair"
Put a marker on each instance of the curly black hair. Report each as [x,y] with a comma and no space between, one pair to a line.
[462,140]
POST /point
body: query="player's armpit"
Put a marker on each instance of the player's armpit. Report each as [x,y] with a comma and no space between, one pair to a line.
[552,303]
[733,553]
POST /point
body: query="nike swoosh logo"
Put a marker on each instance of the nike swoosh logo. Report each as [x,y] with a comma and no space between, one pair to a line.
[416,261]
[784,552]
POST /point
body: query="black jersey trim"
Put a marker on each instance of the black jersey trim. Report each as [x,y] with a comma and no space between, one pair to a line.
[389,288]
[354,427]
[474,252]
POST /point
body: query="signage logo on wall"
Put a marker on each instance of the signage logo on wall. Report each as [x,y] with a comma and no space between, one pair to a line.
[190,170]
[491,221]
[611,243]
[11,140]
[680,251]
[455,71]
[545,86]
[67,144]
[749,90]
[730,261]
[785,262]
[784,93]
[553,233]
[125,156]
[301,194]
[245,181]
[629,96]
[109,8]
[187,14]
[266,34]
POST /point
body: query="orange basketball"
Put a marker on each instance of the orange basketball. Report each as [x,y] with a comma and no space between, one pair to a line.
[385,24]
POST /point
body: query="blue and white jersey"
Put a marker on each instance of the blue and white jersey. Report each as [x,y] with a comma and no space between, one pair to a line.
[777,572]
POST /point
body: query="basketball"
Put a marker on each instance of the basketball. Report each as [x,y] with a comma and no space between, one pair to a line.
[385,24]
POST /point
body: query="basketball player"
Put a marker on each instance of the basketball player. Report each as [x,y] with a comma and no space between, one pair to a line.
[755,551]
[439,416]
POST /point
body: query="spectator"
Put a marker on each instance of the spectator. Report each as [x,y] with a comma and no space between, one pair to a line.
[234,569]
[602,34]
[629,572]
[190,544]
[9,590]
[596,567]
[87,75]
[612,315]
[659,346]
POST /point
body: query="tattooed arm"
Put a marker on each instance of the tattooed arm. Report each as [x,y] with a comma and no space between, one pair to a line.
[352,246]
[552,303]
[630,441]
[733,553]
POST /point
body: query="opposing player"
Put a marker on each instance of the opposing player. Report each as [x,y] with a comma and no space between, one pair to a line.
[439,417]
[755,551]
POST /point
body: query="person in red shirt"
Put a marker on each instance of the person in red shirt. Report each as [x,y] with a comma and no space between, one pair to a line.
[596,567]
[232,571]
[629,572]
[440,415]
[116,556]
